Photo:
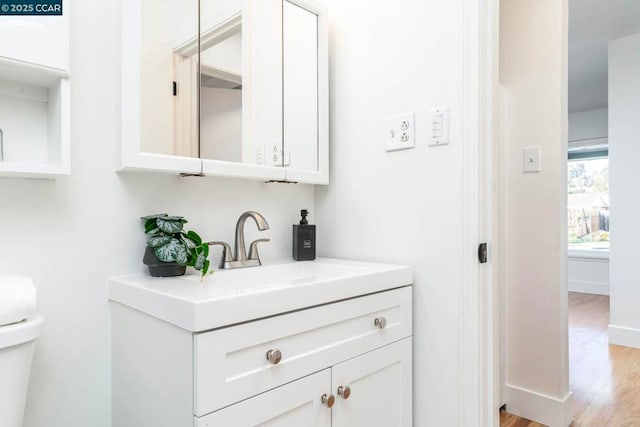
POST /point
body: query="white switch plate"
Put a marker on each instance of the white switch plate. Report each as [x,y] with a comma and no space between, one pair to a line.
[439,126]
[400,132]
[259,154]
[531,159]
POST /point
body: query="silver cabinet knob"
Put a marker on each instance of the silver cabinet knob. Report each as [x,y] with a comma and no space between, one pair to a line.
[344,392]
[328,400]
[274,356]
[380,322]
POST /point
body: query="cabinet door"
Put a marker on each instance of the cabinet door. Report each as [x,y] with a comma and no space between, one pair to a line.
[380,388]
[292,405]
[36,39]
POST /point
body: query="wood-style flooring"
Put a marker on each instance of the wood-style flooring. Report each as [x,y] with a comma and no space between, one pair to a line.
[604,379]
[508,420]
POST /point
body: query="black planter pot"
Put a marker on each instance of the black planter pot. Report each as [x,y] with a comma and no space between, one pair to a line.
[158,268]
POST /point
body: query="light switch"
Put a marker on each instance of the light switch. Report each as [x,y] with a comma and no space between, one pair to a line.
[259,154]
[531,159]
[439,127]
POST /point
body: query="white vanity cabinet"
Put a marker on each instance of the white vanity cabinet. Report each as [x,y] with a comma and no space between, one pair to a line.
[379,385]
[295,404]
[342,362]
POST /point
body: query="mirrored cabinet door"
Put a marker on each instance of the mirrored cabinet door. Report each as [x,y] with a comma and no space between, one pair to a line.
[241,88]
[160,86]
[226,88]
[305,96]
[276,49]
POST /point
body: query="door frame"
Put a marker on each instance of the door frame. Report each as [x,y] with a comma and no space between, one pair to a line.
[479,371]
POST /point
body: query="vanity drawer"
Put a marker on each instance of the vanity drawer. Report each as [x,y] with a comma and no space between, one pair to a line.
[231,364]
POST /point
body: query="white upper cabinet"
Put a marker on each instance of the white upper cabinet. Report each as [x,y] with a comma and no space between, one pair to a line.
[34,92]
[37,39]
[246,96]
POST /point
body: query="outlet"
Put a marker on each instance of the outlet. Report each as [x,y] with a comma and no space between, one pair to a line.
[276,157]
[400,132]
[275,153]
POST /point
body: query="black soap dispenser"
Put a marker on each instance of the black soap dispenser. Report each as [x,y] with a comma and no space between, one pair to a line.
[304,239]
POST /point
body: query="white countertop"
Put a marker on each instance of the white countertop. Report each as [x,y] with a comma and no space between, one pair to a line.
[234,296]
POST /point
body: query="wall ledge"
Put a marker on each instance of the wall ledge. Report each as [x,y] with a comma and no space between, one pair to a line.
[589,254]
[544,409]
[584,287]
[627,337]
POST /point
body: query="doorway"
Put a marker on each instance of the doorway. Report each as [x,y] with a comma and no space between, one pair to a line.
[566,314]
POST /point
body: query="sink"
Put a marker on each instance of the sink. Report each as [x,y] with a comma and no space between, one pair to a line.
[240,295]
[270,275]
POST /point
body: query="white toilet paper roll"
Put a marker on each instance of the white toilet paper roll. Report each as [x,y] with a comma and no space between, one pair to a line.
[17,298]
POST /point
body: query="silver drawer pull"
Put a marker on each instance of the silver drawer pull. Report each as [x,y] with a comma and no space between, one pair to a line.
[344,392]
[380,322]
[328,400]
[274,356]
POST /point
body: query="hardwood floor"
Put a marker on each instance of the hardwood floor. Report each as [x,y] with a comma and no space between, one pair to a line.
[604,379]
[508,420]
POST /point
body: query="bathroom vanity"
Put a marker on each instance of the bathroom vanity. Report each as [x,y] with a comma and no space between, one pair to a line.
[316,343]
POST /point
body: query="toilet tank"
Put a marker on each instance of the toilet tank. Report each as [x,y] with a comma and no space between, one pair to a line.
[17,342]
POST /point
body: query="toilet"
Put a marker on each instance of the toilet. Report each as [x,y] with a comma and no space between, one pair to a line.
[20,326]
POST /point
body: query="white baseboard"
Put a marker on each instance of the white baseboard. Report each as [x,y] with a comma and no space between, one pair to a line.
[547,410]
[627,337]
[597,288]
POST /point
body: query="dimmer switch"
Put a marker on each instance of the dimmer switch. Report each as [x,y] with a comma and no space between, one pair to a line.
[439,127]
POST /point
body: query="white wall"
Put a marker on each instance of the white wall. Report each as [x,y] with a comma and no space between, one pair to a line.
[588,127]
[401,207]
[533,43]
[624,151]
[588,272]
[221,124]
[71,234]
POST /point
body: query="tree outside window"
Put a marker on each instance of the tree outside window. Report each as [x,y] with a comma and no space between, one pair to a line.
[588,203]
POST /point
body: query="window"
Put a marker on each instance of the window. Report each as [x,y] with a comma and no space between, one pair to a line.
[588,200]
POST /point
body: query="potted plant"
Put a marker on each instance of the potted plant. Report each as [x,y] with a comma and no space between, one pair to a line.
[170,249]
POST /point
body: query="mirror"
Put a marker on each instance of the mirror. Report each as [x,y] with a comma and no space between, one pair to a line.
[226,87]
[221,91]
[169,83]
[259,83]
[300,62]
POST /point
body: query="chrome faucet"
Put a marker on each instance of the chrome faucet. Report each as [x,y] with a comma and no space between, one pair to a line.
[239,258]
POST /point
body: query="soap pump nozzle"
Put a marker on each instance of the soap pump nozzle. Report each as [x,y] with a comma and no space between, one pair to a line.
[304,214]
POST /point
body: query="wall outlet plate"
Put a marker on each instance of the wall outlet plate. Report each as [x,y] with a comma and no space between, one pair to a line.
[275,156]
[400,132]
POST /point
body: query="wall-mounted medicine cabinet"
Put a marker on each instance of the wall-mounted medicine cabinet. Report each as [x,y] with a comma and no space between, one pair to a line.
[226,88]
[34,96]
